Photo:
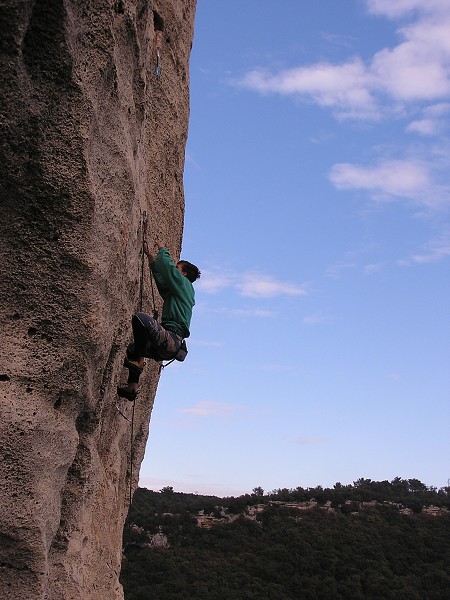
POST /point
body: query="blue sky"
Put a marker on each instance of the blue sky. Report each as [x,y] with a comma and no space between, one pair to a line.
[317,188]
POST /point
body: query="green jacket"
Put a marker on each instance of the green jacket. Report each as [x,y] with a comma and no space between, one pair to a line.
[176,291]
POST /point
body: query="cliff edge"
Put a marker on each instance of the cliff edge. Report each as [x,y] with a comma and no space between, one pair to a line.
[94,112]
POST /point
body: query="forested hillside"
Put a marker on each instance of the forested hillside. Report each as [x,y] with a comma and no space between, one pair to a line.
[362,541]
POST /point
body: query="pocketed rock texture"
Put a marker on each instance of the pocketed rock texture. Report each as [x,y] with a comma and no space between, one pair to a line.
[91,138]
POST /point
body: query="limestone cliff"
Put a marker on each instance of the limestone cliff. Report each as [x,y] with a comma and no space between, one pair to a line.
[92,136]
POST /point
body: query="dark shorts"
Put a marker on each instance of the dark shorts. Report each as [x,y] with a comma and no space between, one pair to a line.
[152,340]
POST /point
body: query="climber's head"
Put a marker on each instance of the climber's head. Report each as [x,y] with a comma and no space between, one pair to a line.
[188,270]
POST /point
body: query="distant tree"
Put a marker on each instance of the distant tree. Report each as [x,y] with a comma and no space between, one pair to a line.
[167,490]
[401,485]
[283,494]
[258,491]
[416,486]
[361,482]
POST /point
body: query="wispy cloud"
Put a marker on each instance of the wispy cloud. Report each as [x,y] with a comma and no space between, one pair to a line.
[209,408]
[415,70]
[434,251]
[433,121]
[315,319]
[424,126]
[373,268]
[387,179]
[212,282]
[308,440]
[249,284]
[335,271]
[413,180]
[264,286]
[345,88]
[409,80]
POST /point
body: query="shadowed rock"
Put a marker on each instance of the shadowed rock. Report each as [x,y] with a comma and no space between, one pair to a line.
[91,138]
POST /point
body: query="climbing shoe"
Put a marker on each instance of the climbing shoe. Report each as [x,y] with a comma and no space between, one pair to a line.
[124,392]
[132,365]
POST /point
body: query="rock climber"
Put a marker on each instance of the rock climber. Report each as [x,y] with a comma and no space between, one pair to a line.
[165,340]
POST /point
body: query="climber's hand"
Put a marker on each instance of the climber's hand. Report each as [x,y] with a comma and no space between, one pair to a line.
[151,255]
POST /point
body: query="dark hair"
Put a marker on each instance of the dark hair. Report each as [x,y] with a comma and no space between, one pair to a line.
[192,272]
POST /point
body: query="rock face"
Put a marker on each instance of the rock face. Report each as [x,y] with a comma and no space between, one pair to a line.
[92,136]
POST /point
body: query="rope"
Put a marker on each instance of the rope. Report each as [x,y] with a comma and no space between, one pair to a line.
[131,457]
[144,240]
[155,310]
[121,413]
[141,290]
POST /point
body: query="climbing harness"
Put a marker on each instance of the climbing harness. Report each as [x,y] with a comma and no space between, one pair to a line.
[141,285]
[155,310]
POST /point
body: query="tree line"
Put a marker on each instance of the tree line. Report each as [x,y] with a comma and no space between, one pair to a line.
[356,551]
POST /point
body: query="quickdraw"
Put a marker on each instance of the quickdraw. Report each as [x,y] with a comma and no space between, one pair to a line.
[157,67]
[156,53]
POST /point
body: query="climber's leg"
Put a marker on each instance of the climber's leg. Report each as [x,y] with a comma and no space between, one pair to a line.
[146,332]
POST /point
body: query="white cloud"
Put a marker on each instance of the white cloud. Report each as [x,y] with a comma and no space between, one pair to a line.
[435,251]
[424,127]
[412,180]
[418,68]
[434,121]
[212,283]
[265,286]
[415,70]
[398,178]
[345,87]
[409,78]
[438,110]
[254,285]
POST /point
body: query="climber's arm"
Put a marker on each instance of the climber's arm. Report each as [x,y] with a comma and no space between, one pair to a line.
[163,289]
[164,265]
